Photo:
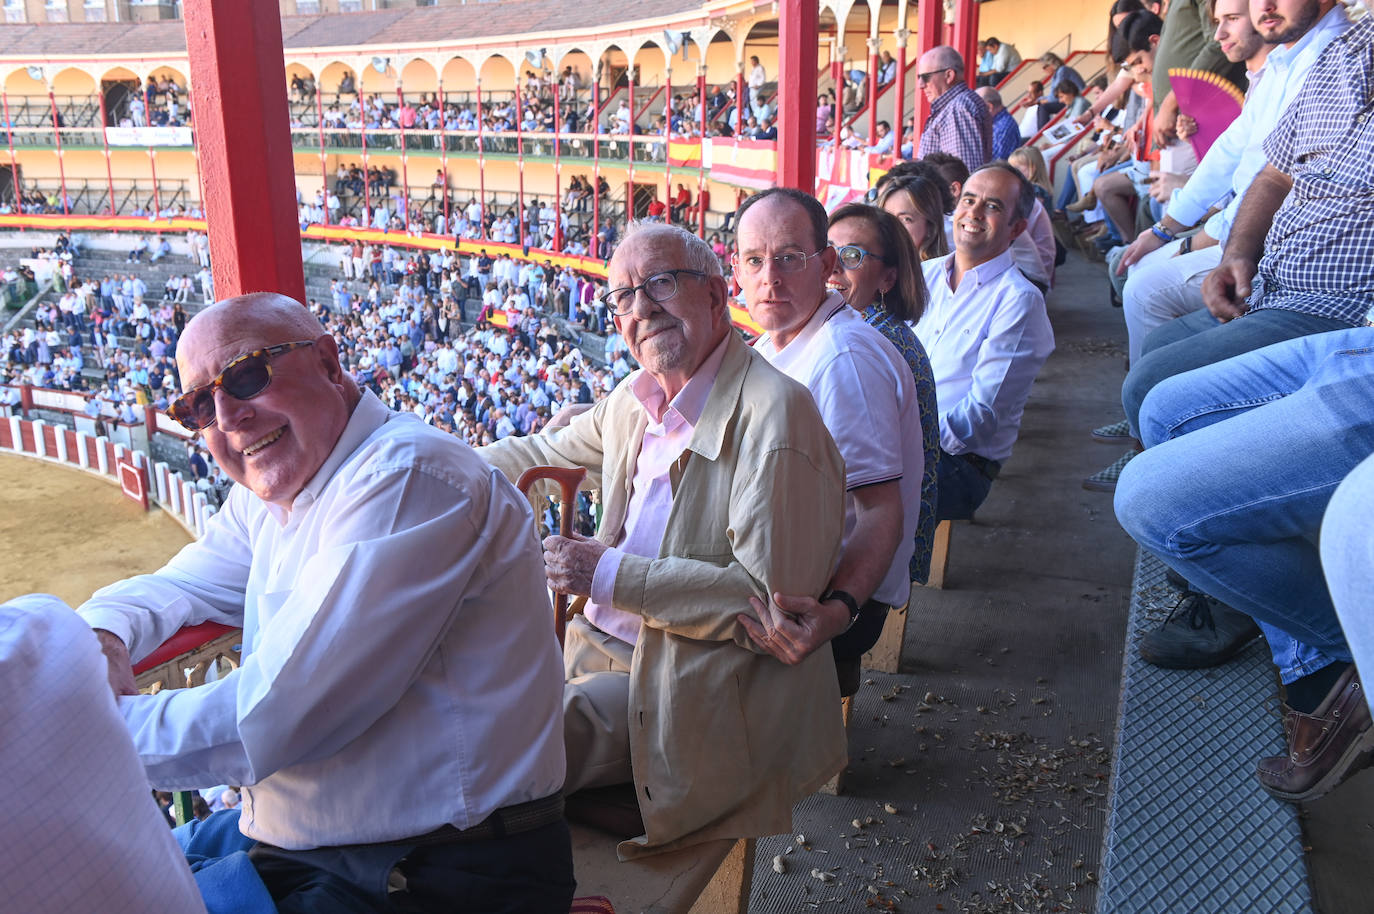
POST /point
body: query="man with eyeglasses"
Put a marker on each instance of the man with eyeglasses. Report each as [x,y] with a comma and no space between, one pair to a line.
[987,334]
[719,484]
[867,397]
[395,718]
[959,122]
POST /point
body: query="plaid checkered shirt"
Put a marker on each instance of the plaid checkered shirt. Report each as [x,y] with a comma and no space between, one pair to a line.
[1319,253]
[959,124]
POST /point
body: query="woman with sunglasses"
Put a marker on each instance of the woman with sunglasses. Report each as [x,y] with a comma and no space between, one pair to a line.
[918,203]
[878,274]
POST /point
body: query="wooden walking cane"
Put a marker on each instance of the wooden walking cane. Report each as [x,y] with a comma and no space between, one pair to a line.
[568,479]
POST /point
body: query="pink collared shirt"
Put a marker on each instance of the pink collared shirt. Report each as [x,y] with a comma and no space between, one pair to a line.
[667,435]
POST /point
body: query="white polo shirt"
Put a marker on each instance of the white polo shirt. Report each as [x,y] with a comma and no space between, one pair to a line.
[867,397]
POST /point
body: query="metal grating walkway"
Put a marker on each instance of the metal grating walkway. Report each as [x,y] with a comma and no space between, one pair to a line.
[1189,828]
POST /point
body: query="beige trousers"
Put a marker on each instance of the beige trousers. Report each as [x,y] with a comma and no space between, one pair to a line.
[596,702]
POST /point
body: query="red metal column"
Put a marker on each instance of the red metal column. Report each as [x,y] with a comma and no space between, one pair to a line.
[872,82]
[61,166]
[324,166]
[481,167]
[929,34]
[14,165]
[739,101]
[152,153]
[701,149]
[557,240]
[594,242]
[837,77]
[899,112]
[238,85]
[443,155]
[798,36]
[630,148]
[667,137]
[367,181]
[520,159]
[105,144]
[966,38]
[405,172]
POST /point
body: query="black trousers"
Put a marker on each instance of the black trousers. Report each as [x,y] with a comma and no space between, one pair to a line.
[526,873]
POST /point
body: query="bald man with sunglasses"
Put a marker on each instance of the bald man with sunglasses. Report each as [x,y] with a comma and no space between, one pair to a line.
[396,721]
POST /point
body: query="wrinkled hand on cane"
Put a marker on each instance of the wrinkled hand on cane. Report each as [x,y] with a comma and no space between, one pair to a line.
[568,479]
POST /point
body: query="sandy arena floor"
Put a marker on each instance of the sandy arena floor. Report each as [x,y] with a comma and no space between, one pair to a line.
[69,533]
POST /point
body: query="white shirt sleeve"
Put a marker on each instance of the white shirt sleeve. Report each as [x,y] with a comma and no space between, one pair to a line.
[858,399]
[335,651]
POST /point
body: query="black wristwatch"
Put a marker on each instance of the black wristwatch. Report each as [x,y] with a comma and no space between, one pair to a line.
[848,600]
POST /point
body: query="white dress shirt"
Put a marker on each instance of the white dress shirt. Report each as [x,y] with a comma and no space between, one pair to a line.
[1232,162]
[867,397]
[986,342]
[399,668]
[81,832]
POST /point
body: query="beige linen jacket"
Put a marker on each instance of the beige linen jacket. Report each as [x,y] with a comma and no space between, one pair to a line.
[724,738]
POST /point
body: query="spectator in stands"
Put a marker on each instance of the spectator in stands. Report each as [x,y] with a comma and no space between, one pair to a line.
[1242,458]
[918,201]
[164,247]
[1166,273]
[140,248]
[1187,42]
[867,397]
[1006,133]
[887,68]
[758,78]
[885,138]
[1004,60]
[280,416]
[1347,560]
[660,632]
[876,263]
[1311,282]
[987,334]
[1312,275]
[959,123]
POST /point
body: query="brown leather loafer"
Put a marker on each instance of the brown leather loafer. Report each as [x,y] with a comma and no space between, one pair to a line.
[1324,747]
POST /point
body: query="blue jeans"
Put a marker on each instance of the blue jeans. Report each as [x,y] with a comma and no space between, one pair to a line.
[1348,558]
[1241,459]
[961,487]
[1199,339]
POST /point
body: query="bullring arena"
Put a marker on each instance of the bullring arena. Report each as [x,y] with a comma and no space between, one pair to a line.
[69,533]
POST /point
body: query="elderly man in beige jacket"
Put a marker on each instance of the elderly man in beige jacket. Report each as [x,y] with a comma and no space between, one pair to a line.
[720,482]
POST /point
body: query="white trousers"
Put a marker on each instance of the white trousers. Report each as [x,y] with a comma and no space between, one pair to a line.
[1163,286]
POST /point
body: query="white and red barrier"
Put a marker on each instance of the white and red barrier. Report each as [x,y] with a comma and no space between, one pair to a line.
[121,466]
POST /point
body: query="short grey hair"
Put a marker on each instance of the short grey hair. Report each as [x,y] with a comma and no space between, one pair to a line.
[697,253]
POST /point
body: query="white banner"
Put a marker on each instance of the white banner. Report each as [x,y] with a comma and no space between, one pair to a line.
[148,136]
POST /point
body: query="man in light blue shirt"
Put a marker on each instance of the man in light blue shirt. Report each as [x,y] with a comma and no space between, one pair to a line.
[1165,275]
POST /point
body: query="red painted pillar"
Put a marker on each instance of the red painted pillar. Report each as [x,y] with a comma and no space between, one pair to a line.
[594,242]
[899,112]
[14,164]
[248,182]
[667,137]
[105,144]
[701,149]
[152,153]
[630,148]
[966,38]
[557,240]
[481,167]
[443,155]
[739,101]
[324,163]
[798,35]
[837,77]
[367,181]
[929,34]
[405,172]
[872,82]
[61,166]
[520,159]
